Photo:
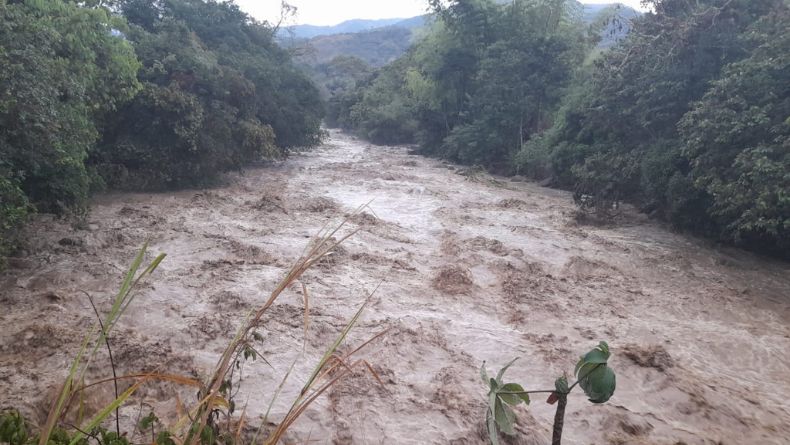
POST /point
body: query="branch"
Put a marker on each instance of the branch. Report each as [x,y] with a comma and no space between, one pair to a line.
[287,11]
[552,391]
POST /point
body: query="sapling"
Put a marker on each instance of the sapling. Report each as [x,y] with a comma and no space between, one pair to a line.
[593,375]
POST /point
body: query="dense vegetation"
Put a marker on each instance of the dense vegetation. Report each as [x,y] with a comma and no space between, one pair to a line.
[376,47]
[335,80]
[139,94]
[484,79]
[687,117]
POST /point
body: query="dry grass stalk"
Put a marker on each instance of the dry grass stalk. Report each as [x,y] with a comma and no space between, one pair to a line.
[330,369]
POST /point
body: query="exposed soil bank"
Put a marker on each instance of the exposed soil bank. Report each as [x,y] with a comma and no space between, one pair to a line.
[474,269]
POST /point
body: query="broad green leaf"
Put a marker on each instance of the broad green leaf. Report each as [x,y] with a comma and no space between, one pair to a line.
[598,355]
[504,417]
[599,384]
[583,369]
[513,399]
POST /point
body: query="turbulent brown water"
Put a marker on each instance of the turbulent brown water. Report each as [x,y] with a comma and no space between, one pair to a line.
[474,269]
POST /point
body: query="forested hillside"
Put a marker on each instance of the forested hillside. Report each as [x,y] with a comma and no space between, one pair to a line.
[687,117]
[379,42]
[376,47]
[146,95]
[349,27]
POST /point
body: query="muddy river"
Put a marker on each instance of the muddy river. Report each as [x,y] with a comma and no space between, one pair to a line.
[472,268]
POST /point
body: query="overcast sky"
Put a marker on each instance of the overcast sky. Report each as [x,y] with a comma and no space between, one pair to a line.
[332,12]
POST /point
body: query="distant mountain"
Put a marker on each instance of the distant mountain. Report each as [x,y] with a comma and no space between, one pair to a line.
[376,47]
[378,42]
[350,27]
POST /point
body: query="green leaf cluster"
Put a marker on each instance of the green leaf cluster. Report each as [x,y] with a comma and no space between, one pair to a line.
[501,397]
[595,377]
[13,430]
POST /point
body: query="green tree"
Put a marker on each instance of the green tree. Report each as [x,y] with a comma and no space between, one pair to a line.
[633,128]
[483,80]
[737,140]
[520,81]
[339,77]
[218,93]
[63,68]
[193,119]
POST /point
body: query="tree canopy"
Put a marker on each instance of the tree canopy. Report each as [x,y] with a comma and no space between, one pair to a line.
[140,95]
[483,79]
[686,116]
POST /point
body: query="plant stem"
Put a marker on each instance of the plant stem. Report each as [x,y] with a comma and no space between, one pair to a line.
[112,362]
[551,391]
[562,402]
[518,393]
[559,419]
[585,375]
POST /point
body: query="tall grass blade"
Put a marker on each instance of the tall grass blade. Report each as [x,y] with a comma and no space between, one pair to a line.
[93,339]
[105,412]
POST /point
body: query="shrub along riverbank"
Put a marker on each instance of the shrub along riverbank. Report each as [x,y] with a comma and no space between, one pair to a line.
[143,96]
[687,117]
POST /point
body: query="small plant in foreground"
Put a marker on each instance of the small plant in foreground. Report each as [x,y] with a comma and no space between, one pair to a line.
[593,375]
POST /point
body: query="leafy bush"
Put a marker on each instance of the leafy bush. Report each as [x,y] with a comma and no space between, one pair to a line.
[217,94]
[534,159]
[737,141]
[686,118]
[593,375]
[14,208]
[61,71]
[169,136]
[337,78]
[484,78]
[384,111]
